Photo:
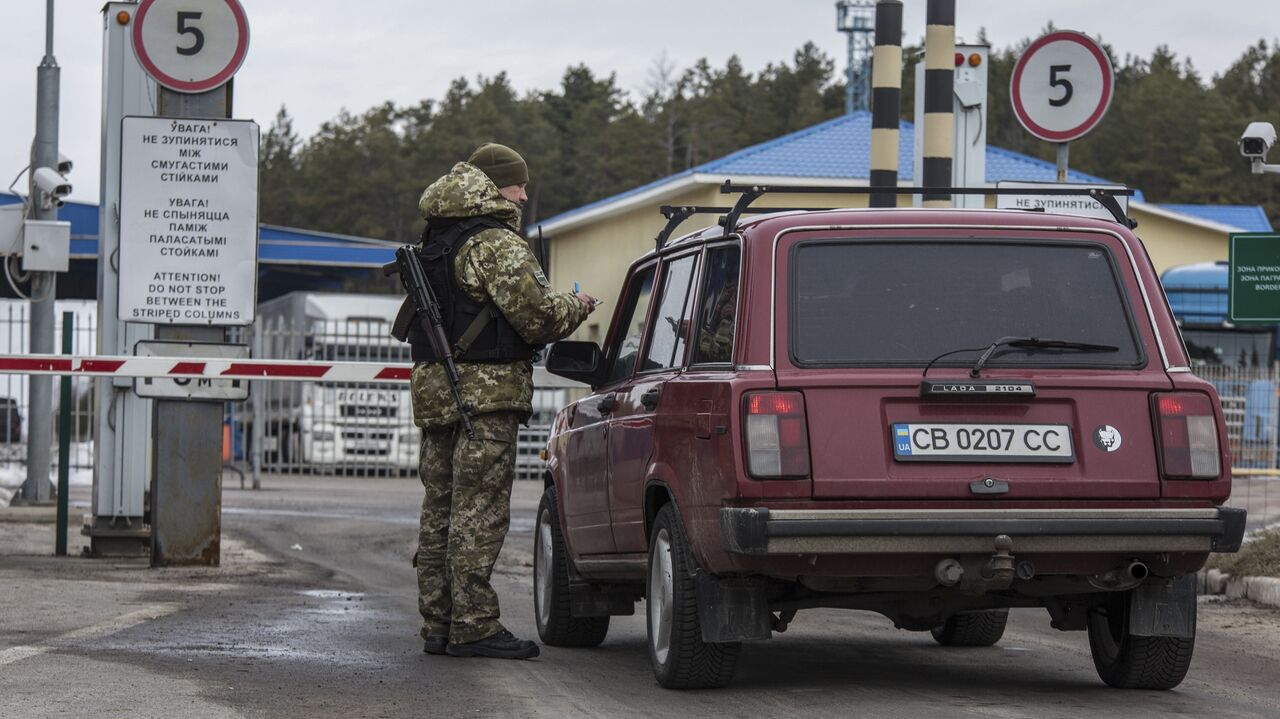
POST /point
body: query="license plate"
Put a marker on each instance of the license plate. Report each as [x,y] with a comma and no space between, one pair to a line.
[929,442]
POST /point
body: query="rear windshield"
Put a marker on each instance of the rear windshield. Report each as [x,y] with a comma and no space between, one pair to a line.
[882,303]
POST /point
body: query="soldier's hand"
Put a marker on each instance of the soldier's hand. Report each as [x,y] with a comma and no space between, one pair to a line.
[588,300]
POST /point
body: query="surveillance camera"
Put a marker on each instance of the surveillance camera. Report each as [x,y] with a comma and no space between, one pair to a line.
[1257,140]
[53,185]
[64,164]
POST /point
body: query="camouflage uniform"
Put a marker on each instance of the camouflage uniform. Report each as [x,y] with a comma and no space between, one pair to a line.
[466,509]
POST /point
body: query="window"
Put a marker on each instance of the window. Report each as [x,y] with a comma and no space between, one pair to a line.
[1232,348]
[909,302]
[671,323]
[631,328]
[719,310]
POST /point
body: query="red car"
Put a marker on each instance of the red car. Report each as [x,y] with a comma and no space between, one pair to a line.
[931,414]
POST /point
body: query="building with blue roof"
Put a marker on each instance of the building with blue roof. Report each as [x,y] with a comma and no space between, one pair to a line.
[595,243]
[289,259]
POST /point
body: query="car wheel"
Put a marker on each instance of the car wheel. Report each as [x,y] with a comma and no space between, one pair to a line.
[551,607]
[681,660]
[972,629]
[1131,662]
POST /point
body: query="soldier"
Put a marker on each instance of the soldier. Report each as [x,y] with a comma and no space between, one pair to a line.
[499,310]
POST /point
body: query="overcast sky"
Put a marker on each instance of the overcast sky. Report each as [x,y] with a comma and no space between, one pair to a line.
[319,56]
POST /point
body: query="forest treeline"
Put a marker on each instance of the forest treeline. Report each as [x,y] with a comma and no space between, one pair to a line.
[1170,132]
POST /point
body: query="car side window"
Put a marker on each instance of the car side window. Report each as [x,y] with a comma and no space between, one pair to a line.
[631,330]
[670,330]
[718,310]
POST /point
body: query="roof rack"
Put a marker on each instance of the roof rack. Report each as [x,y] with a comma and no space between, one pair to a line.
[677,214]
[747,194]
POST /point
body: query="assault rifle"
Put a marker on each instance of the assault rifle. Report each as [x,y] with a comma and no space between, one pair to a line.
[428,313]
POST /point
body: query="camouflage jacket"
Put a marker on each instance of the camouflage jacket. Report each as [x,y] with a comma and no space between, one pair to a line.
[494,264]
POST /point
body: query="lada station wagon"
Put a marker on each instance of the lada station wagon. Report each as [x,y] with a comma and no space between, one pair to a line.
[935,415]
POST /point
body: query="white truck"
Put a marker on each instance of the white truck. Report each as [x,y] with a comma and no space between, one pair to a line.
[325,426]
[328,427]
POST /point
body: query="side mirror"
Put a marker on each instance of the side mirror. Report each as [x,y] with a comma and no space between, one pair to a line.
[579,361]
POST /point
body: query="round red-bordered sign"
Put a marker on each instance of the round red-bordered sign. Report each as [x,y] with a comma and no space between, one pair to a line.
[201,51]
[1062,86]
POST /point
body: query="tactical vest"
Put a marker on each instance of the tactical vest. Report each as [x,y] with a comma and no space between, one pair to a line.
[477,331]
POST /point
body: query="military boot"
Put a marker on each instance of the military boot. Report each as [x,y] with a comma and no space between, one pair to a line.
[434,643]
[502,645]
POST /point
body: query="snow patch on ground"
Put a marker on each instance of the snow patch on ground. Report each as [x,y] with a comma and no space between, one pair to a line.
[13,471]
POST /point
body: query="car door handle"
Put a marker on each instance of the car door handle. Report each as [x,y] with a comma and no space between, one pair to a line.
[650,399]
[607,405]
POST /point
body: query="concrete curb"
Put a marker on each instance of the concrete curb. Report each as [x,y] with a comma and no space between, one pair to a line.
[1263,590]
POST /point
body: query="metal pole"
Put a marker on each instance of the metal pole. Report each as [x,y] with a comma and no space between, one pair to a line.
[259,407]
[886,100]
[64,438]
[1064,150]
[44,153]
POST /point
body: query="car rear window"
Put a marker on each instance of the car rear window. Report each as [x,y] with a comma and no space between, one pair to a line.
[907,302]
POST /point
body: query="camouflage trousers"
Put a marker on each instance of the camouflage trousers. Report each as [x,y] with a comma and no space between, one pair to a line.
[465,516]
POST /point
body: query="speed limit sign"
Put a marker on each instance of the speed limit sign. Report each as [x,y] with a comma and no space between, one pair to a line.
[1062,86]
[190,46]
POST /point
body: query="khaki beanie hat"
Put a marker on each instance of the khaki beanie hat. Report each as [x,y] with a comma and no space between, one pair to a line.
[502,164]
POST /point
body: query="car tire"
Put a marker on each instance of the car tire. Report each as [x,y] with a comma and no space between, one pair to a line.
[1126,661]
[972,629]
[681,660]
[557,626]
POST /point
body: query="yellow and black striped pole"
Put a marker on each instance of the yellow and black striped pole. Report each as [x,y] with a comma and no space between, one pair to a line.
[886,100]
[939,84]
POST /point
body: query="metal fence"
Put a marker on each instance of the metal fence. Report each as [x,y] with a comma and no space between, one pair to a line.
[284,427]
[1249,405]
[15,408]
[346,428]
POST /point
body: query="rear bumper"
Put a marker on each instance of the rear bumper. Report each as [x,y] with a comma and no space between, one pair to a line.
[761,531]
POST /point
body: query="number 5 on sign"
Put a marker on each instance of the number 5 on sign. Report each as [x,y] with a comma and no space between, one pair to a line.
[190,46]
[1062,86]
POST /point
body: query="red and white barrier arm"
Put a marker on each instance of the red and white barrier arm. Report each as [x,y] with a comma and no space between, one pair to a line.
[193,367]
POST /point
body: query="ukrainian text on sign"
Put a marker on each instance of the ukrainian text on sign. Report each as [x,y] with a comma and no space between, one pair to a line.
[188,221]
[1253,292]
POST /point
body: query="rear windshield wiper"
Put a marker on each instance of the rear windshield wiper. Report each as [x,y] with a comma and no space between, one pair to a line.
[1037,343]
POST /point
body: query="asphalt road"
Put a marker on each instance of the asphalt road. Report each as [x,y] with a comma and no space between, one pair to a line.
[313,615]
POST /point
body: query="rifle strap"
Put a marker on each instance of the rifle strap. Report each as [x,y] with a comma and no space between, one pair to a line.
[488,314]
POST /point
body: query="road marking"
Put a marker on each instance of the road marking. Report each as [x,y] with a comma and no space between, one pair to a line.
[111,626]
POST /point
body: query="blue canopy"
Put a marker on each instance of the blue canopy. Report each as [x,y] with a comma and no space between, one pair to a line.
[276,245]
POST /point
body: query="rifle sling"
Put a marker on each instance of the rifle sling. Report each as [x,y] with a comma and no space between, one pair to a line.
[474,329]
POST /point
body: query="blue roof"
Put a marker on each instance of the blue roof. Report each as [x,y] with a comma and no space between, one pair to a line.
[1249,218]
[276,245]
[841,149]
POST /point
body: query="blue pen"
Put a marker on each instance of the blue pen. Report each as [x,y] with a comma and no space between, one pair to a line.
[576,288]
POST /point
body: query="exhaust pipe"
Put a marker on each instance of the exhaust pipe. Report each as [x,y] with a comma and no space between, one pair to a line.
[1123,577]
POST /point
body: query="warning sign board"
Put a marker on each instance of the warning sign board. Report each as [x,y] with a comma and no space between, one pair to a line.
[188,221]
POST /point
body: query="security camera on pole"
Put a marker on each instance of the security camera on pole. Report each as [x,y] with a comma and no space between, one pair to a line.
[188,250]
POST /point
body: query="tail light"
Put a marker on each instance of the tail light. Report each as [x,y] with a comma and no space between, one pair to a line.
[1188,436]
[777,437]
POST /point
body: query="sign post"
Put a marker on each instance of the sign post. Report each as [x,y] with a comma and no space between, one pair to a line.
[189,239]
[1061,88]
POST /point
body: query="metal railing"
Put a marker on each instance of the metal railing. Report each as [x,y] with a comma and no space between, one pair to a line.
[284,427]
[15,408]
[1250,409]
